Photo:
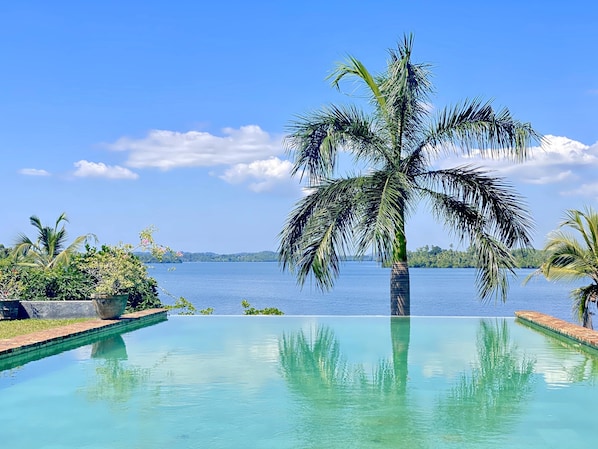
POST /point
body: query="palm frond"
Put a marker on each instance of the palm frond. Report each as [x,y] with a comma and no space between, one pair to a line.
[567,259]
[475,125]
[504,211]
[319,231]
[315,140]
[470,222]
[354,67]
[407,88]
[586,223]
[461,219]
[581,299]
[385,201]
[495,262]
[65,256]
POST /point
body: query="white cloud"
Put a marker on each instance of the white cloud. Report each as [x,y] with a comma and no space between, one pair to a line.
[33,172]
[86,169]
[261,175]
[559,177]
[590,189]
[170,149]
[558,160]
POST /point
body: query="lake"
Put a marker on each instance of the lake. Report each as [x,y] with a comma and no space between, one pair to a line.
[361,289]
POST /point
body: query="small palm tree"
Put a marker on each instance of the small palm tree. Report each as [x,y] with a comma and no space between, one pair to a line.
[49,249]
[571,259]
[396,146]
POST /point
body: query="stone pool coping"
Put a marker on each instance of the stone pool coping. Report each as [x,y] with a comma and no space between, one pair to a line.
[70,333]
[575,332]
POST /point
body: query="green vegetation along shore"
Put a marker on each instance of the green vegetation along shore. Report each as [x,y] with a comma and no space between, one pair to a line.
[424,257]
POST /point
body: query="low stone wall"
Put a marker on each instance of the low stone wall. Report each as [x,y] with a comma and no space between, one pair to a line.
[579,334]
[57,309]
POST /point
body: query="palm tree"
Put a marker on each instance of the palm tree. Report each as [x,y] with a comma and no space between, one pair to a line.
[569,259]
[49,249]
[396,146]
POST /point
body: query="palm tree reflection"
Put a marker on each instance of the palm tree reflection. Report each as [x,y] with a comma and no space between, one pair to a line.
[380,407]
[342,402]
[487,400]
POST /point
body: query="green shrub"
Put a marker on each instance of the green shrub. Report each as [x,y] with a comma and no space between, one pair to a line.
[61,283]
[248,310]
[116,270]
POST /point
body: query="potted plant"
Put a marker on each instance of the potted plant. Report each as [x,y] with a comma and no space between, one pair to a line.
[116,273]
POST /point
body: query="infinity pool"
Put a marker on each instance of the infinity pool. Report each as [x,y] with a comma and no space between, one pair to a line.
[307,382]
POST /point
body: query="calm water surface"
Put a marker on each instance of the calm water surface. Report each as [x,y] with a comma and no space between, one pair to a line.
[307,382]
[361,289]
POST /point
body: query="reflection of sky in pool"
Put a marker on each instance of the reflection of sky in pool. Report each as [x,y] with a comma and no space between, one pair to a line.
[307,382]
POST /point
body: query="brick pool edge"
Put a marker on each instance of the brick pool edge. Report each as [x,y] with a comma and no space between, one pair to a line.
[579,334]
[71,333]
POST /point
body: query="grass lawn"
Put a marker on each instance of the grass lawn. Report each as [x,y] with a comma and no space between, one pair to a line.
[14,328]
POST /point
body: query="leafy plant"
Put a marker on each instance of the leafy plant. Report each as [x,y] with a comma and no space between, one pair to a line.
[59,283]
[115,270]
[184,307]
[253,311]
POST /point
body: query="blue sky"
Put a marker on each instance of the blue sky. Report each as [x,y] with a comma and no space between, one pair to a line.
[125,114]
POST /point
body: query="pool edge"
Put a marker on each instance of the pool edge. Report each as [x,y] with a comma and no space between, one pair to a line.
[34,341]
[552,325]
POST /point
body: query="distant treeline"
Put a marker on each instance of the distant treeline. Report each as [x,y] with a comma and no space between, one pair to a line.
[424,257]
[436,257]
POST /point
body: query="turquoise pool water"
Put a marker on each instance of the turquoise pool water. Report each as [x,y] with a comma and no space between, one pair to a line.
[307,382]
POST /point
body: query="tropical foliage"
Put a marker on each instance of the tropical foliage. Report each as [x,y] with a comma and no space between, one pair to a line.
[394,150]
[48,268]
[249,310]
[49,250]
[574,257]
[59,283]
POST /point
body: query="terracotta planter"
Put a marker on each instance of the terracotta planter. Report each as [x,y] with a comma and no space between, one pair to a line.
[9,309]
[110,307]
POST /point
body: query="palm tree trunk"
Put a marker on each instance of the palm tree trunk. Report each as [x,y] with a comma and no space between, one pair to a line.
[400,297]
[400,333]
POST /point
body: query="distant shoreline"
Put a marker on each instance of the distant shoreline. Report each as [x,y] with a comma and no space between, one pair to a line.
[425,257]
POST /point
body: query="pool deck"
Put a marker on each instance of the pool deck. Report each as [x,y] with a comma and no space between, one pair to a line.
[72,332]
[587,337]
